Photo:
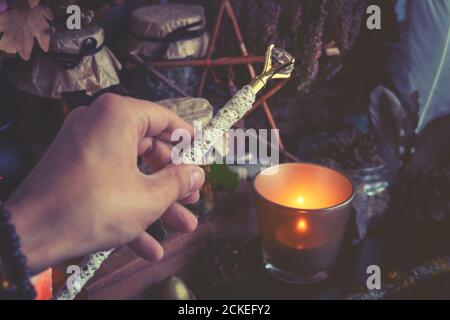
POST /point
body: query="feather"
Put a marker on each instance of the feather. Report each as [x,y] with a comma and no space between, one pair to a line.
[386,116]
[426,180]
[432,146]
[418,57]
[417,66]
[426,35]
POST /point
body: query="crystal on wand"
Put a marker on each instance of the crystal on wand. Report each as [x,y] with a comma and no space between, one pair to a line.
[279,64]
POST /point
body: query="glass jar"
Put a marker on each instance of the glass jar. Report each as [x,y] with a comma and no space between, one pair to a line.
[372,195]
[357,153]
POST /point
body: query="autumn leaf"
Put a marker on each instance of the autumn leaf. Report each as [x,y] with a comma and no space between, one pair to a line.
[21,26]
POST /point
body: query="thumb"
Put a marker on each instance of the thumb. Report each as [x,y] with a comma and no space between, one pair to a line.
[175,182]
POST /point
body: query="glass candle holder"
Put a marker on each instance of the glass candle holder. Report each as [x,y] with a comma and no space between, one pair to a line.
[302,211]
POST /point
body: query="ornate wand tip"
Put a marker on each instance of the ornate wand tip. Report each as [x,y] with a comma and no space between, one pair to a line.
[279,64]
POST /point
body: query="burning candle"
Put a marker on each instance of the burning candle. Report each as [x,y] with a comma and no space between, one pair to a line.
[298,234]
[302,212]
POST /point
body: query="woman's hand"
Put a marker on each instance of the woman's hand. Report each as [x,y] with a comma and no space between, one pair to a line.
[87,193]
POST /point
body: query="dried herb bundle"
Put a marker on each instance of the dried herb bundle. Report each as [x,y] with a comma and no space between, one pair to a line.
[305,28]
[348,149]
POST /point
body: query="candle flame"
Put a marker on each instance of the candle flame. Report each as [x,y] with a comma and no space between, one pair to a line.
[302,226]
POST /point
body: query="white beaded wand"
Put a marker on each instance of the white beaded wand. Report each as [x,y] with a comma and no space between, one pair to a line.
[279,64]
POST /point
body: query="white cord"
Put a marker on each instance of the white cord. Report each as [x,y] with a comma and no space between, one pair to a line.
[87,271]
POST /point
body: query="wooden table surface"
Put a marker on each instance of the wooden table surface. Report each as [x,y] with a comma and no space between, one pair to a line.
[126,276]
[393,246]
[410,249]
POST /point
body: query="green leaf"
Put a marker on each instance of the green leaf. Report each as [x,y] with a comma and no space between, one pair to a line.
[221,176]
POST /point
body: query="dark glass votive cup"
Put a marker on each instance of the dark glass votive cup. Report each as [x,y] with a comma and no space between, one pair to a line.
[302,211]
